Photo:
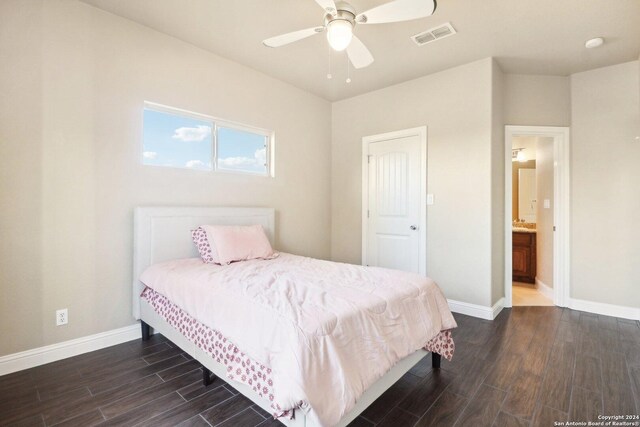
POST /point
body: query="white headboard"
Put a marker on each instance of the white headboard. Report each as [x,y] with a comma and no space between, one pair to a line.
[164,233]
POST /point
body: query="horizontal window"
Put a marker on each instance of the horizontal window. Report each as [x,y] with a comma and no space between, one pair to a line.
[179,139]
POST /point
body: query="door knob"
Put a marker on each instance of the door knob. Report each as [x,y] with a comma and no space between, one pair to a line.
[413,227]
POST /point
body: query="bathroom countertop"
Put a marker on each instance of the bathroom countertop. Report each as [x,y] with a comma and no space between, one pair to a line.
[523,230]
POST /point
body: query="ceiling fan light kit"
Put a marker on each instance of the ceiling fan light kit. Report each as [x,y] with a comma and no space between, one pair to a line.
[340,21]
[339,33]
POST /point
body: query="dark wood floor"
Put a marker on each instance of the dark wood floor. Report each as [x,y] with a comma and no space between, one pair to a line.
[530,367]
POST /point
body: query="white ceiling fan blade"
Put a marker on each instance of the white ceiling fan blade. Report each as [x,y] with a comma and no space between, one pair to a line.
[396,11]
[328,5]
[358,53]
[294,36]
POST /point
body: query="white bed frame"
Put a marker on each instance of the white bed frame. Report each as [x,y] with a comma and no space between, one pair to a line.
[163,233]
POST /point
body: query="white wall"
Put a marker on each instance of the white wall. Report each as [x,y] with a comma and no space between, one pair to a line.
[70,149]
[21,178]
[497,183]
[456,106]
[532,100]
[70,140]
[544,217]
[605,185]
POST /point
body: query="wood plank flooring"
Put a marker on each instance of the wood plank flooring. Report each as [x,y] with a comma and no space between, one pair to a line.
[532,366]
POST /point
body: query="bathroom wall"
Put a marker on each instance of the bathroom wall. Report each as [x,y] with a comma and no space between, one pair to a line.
[544,216]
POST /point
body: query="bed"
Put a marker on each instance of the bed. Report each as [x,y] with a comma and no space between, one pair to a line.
[162,241]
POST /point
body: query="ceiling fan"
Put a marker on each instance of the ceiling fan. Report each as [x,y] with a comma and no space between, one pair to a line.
[341,18]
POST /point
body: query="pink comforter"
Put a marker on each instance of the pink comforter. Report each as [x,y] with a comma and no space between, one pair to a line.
[327,330]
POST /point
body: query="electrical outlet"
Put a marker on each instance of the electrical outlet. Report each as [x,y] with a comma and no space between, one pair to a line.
[62,317]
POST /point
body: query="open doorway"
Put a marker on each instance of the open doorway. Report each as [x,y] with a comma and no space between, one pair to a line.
[532,220]
[537,220]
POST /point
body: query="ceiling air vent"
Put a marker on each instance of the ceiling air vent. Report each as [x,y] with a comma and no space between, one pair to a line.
[433,34]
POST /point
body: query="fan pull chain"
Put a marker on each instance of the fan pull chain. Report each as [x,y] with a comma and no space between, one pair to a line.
[329,75]
[348,70]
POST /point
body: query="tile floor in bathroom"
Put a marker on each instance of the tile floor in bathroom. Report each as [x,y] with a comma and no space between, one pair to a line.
[527,294]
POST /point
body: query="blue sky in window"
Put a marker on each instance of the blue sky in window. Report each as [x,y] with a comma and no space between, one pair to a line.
[176,141]
[241,151]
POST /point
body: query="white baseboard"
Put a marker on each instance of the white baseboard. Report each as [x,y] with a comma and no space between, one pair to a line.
[497,308]
[547,291]
[622,311]
[475,310]
[50,353]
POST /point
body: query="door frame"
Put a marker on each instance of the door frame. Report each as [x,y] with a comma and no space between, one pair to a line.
[561,208]
[421,133]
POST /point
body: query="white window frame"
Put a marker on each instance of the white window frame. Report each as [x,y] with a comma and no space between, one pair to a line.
[243,128]
[215,124]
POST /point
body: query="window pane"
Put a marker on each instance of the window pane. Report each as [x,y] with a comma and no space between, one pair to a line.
[176,141]
[242,151]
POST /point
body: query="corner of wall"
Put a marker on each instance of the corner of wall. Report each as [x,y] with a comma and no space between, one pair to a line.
[497,182]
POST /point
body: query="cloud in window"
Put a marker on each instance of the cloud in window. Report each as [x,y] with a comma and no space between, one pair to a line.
[259,159]
[231,162]
[196,164]
[187,134]
[261,156]
[149,155]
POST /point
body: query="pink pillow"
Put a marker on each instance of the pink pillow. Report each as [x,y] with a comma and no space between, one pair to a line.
[207,250]
[239,243]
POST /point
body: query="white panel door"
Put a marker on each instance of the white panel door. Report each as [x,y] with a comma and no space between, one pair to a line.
[394,211]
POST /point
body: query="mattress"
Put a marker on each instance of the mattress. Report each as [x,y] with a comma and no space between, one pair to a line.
[240,366]
[310,328]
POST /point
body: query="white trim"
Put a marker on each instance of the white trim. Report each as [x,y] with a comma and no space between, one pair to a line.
[148,105]
[420,132]
[475,310]
[545,290]
[51,353]
[216,123]
[621,311]
[205,117]
[561,206]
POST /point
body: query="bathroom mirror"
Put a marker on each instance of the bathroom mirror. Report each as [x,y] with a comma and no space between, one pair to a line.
[527,195]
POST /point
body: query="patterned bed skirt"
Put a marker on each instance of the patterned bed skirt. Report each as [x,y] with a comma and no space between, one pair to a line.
[240,367]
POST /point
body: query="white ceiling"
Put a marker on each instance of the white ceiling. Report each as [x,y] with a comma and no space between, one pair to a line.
[525,36]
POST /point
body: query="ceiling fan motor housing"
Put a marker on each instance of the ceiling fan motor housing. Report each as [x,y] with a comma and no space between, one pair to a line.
[344,12]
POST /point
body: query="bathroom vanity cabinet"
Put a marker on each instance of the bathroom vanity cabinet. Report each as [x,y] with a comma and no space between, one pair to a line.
[524,257]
